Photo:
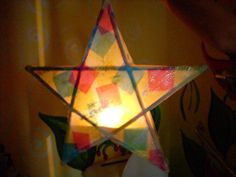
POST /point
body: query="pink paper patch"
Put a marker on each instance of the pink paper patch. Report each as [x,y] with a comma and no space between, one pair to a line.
[157,158]
[108,94]
[160,80]
[81,140]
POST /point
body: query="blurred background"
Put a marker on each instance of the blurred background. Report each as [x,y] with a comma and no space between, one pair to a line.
[56,33]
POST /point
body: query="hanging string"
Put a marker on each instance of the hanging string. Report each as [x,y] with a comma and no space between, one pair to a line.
[40,34]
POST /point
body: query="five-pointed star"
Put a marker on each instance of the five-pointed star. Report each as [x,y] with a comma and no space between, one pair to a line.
[109,97]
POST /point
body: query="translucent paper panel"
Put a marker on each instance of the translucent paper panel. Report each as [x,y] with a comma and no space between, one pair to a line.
[140,137]
[107,98]
[59,81]
[104,46]
[127,55]
[158,84]
[82,134]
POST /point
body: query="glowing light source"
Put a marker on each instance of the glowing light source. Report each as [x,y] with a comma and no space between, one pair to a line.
[111,117]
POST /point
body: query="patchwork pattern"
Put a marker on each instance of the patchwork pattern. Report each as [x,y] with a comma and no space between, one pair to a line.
[109,97]
[123,81]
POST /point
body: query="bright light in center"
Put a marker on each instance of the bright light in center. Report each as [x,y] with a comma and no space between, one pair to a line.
[111,117]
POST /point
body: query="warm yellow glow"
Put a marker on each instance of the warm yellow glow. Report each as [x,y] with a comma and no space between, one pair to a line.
[111,117]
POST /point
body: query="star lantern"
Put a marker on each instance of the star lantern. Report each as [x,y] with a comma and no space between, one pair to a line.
[109,97]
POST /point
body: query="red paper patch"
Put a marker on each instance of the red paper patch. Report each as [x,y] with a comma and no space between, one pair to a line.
[109,95]
[73,76]
[81,140]
[160,80]
[105,21]
[87,78]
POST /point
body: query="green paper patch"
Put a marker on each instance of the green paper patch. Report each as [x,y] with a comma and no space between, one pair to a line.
[102,43]
[136,138]
[63,83]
